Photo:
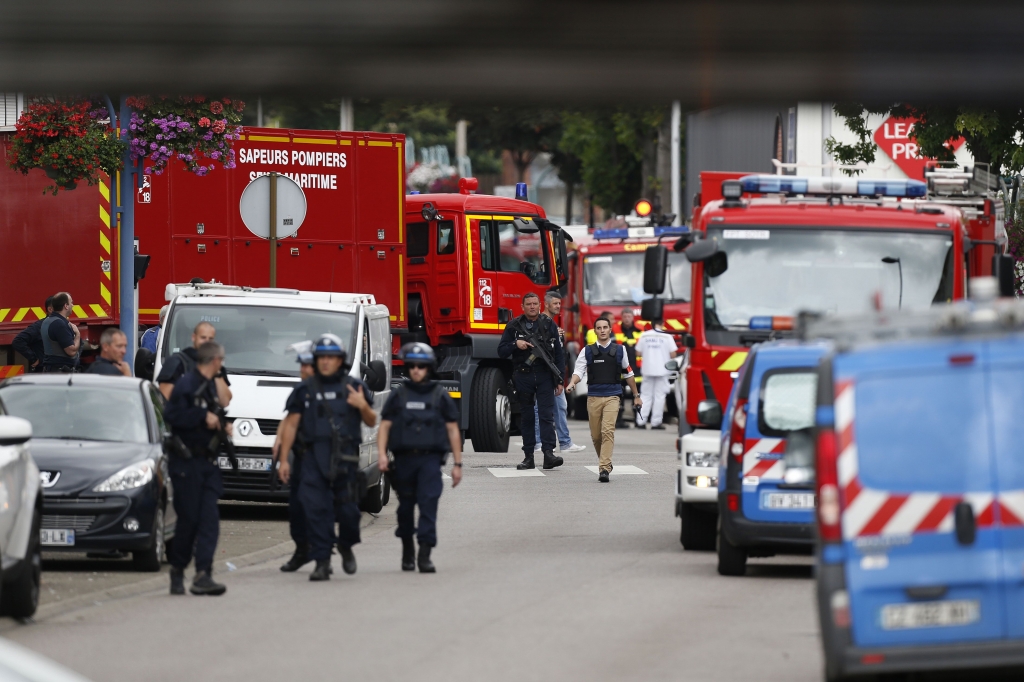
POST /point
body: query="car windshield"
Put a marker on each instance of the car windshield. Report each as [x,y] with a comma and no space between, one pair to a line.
[256,338]
[780,272]
[618,278]
[79,412]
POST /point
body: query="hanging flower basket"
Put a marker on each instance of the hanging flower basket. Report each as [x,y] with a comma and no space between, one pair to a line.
[198,130]
[70,140]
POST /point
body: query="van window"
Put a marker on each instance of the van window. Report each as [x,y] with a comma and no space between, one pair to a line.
[923,431]
[417,242]
[787,401]
[445,237]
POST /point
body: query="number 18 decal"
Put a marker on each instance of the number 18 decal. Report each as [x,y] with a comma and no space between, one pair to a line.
[484,292]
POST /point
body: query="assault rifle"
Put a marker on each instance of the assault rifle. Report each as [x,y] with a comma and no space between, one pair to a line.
[221,441]
[540,350]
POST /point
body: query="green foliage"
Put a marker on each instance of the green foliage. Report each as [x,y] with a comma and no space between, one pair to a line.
[523,131]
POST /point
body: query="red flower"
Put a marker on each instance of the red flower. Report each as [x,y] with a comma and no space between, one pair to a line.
[216,107]
[218,126]
[204,122]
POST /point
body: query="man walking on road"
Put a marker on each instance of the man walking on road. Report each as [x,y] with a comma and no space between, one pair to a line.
[535,380]
[656,348]
[606,364]
[553,307]
[296,512]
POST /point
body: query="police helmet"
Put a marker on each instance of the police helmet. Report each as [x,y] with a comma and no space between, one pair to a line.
[417,352]
[303,351]
[329,344]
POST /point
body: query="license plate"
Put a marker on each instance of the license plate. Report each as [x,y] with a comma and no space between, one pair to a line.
[246,463]
[788,501]
[930,614]
[51,537]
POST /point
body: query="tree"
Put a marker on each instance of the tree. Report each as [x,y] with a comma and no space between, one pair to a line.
[523,131]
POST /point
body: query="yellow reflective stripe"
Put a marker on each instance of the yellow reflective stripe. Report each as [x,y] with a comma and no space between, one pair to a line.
[104,241]
[20,315]
[98,310]
[381,143]
[104,192]
[314,140]
[79,311]
[675,324]
[3,313]
[733,362]
[104,216]
[347,143]
[105,293]
[39,313]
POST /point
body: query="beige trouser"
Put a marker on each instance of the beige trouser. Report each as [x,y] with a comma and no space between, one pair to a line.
[603,412]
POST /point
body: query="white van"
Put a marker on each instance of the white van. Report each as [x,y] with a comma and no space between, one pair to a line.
[256,327]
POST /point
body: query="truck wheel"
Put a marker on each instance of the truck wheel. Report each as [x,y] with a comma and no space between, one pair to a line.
[579,408]
[697,529]
[732,560]
[490,411]
[20,597]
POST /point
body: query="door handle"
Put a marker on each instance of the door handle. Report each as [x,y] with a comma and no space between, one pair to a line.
[504,315]
[966,528]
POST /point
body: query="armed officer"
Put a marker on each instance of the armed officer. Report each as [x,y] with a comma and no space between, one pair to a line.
[196,427]
[329,409]
[531,340]
[296,514]
[420,424]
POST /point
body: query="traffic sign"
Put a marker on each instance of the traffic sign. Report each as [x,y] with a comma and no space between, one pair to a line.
[255,206]
[896,138]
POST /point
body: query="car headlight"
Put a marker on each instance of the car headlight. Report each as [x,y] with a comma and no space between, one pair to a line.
[134,476]
[702,459]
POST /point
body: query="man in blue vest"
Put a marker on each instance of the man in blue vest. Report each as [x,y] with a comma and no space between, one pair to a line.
[62,340]
[606,364]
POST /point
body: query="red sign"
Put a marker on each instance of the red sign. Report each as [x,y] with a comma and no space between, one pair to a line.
[896,138]
[485,292]
[144,194]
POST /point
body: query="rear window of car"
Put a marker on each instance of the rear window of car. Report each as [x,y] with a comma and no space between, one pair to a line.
[787,401]
[923,431]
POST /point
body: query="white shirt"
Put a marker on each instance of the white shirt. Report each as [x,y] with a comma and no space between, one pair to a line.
[656,348]
[580,369]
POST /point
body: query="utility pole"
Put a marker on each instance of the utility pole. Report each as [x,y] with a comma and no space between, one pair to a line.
[126,182]
[348,118]
[677,204]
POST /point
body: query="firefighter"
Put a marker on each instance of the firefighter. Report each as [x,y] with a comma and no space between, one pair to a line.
[606,365]
[420,424]
[330,409]
[296,514]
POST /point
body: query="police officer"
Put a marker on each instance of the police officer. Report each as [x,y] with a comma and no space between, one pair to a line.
[29,341]
[62,340]
[420,424]
[533,380]
[194,471]
[329,409]
[183,361]
[296,514]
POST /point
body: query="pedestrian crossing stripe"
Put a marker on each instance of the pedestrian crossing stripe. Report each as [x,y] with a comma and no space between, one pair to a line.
[620,470]
[500,472]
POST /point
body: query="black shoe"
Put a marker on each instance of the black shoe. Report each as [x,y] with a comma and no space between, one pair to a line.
[425,564]
[408,554]
[348,559]
[322,570]
[603,477]
[527,463]
[298,560]
[202,583]
[177,581]
[550,461]
[659,427]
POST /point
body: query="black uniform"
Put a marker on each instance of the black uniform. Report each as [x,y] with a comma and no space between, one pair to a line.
[29,342]
[329,487]
[56,334]
[534,382]
[419,413]
[297,523]
[196,479]
[103,366]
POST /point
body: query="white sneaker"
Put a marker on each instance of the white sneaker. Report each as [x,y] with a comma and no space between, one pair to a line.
[574,448]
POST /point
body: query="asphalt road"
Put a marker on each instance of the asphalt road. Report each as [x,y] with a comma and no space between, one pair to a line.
[539,578]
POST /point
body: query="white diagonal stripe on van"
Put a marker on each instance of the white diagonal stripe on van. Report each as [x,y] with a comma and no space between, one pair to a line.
[761,446]
[1013,501]
[862,510]
[846,465]
[911,513]
[844,408]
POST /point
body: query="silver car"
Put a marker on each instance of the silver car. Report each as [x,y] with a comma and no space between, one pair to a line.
[20,517]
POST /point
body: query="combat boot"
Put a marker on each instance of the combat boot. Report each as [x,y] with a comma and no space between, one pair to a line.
[348,559]
[202,583]
[527,463]
[299,559]
[408,554]
[177,581]
[322,570]
[426,565]
[551,461]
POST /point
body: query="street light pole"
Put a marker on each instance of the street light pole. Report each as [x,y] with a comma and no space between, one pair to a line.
[129,313]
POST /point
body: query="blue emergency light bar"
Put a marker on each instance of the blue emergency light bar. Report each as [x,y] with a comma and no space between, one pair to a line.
[788,184]
[641,232]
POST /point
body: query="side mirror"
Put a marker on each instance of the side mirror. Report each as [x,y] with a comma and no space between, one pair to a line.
[655,264]
[375,375]
[652,309]
[683,242]
[528,269]
[525,226]
[709,413]
[672,365]
[14,430]
[689,340]
[799,457]
[504,315]
[717,264]
[1002,270]
[145,364]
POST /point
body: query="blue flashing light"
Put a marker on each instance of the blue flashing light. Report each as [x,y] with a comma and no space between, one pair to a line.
[415,191]
[774,184]
[641,232]
[783,184]
[521,192]
[892,188]
[761,322]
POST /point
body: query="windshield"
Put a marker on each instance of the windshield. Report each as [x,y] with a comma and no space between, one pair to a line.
[780,272]
[787,401]
[256,338]
[618,278]
[79,412]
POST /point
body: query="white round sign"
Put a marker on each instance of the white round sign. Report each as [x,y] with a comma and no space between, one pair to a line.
[255,206]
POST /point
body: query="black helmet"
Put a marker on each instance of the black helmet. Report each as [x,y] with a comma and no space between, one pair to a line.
[417,352]
[329,344]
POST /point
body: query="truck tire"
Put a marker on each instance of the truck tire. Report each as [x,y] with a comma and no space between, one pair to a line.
[20,596]
[490,411]
[732,560]
[697,529]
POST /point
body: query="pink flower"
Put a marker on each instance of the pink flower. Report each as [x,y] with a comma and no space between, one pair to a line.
[204,122]
[218,126]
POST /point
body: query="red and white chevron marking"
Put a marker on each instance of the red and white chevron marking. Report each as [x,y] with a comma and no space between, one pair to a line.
[867,511]
[754,465]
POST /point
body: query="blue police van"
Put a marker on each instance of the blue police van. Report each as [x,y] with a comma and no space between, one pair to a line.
[920,480]
[760,513]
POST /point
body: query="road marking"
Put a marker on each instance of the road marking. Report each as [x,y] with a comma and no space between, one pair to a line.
[513,473]
[621,469]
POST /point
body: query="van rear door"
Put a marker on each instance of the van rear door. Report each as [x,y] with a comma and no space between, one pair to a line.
[914,425]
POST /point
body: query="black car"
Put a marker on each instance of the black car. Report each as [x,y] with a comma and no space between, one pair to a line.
[99,444]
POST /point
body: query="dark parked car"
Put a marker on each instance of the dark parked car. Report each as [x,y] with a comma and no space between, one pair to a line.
[99,444]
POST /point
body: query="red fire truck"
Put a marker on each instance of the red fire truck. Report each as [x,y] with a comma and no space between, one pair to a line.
[774,246]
